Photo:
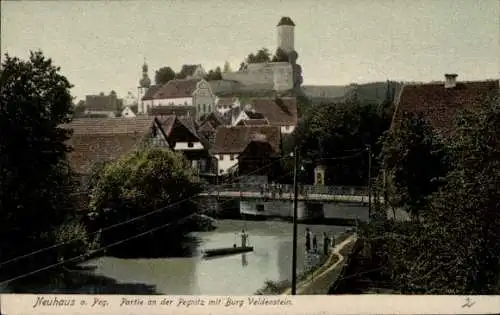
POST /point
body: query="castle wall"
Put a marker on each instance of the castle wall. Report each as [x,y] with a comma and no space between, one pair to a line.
[277,74]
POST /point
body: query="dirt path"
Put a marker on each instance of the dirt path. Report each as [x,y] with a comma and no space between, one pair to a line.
[327,267]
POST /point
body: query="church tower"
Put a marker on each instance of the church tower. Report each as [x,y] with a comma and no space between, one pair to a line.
[285,34]
[144,85]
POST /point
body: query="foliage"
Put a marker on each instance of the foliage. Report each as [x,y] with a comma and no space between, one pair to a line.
[79,108]
[415,159]
[34,102]
[336,135]
[214,74]
[163,75]
[280,56]
[455,249]
[139,183]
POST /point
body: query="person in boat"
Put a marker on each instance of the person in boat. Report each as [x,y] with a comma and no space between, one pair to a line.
[244,238]
[308,239]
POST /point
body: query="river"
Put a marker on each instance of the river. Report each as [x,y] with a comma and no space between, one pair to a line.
[241,274]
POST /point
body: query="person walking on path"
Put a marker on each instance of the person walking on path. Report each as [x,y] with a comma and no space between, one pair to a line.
[308,240]
[326,244]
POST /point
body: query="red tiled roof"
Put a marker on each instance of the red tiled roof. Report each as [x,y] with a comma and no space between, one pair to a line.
[176,89]
[441,105]
[278,112]
[104,139]
[234,139]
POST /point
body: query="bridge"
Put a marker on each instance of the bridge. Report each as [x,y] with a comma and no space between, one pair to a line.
[285,192]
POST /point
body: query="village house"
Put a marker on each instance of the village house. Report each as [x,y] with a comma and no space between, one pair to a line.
[103,105]
[182,136]
[185,92]
[441,102]
[231,141]
[209,123]
[279,112]
[98,140]
[256,160]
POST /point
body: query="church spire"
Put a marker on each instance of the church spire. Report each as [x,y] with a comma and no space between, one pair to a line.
[145,82]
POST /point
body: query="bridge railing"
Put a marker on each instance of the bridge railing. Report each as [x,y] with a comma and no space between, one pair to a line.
[304,190]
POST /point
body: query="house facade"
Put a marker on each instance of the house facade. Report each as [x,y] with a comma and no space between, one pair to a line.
[230,141]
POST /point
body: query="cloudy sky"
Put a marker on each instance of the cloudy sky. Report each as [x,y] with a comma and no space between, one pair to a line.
[101,45]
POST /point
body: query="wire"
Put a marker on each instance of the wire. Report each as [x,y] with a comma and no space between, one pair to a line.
[94,251]
[3,263]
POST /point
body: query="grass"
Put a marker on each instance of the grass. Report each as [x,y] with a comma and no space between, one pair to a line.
[278,287]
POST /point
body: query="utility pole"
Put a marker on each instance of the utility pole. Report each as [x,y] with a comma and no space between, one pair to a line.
[295,215]
[369,149]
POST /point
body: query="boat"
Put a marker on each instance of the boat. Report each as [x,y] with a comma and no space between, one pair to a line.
[227,251]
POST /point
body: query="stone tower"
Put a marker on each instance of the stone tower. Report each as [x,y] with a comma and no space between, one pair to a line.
[285,34]
[144,84]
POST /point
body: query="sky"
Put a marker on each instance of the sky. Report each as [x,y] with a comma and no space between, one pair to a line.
[101,45]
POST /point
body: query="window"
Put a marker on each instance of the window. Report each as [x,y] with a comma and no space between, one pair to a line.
[221,157]
[190,145]
[259,208]
[204,108]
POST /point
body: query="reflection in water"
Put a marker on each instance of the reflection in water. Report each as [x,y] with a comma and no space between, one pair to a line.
[244,261]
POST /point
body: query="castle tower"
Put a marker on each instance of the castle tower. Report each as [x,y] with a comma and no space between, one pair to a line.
[285,34]
[144,84]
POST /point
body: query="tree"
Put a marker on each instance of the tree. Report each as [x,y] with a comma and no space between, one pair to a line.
[79,108]
[336,135]
[140,183]
[262,55]
[456,248]
[214,74]
[34,173]
[280,55]
[227,67]
[405,150]
[163,75]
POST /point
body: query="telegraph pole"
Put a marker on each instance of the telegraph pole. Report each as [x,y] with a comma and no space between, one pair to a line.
[369,149]
[295,215]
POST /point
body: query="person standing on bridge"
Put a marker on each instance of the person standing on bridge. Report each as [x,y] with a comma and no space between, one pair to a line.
[244,238]
[326,243]
[315,243]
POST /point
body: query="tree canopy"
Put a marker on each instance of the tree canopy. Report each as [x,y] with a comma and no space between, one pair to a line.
[214,74]
[35,100]
[163,75]
[139,183]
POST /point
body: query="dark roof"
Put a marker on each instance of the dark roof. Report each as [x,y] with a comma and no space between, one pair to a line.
[254,115]
[168,122]
[215,118]
[253,122]
[151,92]
[234,139]
[441,105]
[286,21]
[206,126]
[172,110]
[104,139]
[176,89]
[278,112]
[101,103]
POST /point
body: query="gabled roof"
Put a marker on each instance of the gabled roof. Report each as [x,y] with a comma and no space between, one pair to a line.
[168,123]
[215,118]
[441,105]
[107,103]
[206,126]
[172,110]
[234,139]
[176,89]
[278,112]
[104,139]
[151,92]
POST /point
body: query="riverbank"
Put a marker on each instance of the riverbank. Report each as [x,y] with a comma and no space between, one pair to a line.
[326,264]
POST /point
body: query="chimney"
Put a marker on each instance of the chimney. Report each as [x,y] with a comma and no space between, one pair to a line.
[450,80]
